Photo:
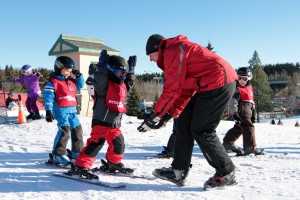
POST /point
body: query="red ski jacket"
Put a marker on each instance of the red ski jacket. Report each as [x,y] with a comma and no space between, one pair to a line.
[188,68]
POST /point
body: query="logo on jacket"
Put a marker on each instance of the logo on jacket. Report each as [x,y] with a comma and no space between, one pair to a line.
[68,98]
[118,103]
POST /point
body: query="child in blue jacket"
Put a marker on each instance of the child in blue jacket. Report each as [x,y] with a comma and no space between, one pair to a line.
[60,104]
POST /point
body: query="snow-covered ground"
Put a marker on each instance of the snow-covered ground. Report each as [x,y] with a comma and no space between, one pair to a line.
[273,176]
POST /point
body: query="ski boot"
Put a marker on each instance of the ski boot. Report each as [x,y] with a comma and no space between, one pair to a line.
[112,168]
[56,160]
[250,150]
[166,153]
[72,155]
[29,116]
[82,172]
[218,181]
[173,175]
[36,116]
[233,148]
[61,160]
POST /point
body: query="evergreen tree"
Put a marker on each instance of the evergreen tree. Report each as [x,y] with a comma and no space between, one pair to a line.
[261,86]
[133,103]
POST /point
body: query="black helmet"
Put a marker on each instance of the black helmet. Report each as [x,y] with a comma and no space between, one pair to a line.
[117,67]
[244,71]
[63,62]
[117,62]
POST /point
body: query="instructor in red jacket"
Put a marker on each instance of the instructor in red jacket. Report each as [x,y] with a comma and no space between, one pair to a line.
[198,86]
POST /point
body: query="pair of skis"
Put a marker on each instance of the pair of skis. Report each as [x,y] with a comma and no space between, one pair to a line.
[95,172]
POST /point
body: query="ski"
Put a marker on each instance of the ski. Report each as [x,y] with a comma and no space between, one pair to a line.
[105,169]
[51,164]
[158,156]
[92,181]
[97,171]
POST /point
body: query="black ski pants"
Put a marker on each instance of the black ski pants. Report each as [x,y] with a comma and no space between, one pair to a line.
[198,122]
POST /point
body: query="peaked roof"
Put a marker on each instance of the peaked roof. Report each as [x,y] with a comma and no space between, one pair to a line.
[67,44]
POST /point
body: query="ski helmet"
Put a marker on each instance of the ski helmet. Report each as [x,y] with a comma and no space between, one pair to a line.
[63,62]
[118,66]
[26,69]
[245,71]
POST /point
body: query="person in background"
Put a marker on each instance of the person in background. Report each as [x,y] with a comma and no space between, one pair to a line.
[297,124]
[113,78]
[10,102]
[168,151]
[242,107]
[142,107]
[198,86]
[60,104]
[279,122]
[273,122]
[31,80]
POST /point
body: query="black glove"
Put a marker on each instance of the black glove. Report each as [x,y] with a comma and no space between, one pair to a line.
[131,63]
[92,68]
[103,57]
[164,119]
[236,118]
[149,123]
[76,72]
[89,80]
[49,116]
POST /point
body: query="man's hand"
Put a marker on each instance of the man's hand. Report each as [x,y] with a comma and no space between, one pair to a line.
[149,123]
[49,116]
[164,119]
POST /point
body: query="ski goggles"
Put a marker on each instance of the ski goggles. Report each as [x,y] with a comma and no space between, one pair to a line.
[26,72]
[243,78]
[119,72]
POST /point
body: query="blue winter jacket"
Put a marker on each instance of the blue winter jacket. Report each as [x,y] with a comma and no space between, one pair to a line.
[49,96]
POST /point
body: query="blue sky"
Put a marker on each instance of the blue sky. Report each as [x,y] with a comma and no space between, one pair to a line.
[235,28]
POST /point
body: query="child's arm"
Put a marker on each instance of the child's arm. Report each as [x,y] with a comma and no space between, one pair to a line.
[49,96]
[129,81]
[130,77]
[79,79]
[79,82]
[234,102]
[18,80]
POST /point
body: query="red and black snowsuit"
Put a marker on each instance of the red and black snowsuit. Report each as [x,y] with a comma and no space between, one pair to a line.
[106,120]
[243,104]
[198,86]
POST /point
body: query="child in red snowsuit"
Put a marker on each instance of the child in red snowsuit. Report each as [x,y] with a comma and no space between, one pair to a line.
[111,83]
